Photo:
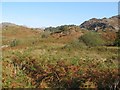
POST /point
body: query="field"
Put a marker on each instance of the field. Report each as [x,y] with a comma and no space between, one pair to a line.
[37,59]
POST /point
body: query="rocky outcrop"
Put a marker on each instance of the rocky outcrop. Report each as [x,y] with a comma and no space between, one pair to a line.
[102,24]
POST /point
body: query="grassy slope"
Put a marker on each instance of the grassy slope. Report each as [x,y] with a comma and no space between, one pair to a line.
[51,50]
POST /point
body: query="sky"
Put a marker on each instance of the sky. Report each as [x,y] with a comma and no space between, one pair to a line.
[45,14]
[60,0]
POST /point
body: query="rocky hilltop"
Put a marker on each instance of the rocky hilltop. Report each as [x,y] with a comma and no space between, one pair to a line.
[103,24]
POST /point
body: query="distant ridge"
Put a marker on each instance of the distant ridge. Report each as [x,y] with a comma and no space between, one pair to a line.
[91,24]
[8,24]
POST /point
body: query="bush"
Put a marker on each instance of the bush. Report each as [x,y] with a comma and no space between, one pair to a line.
[14,43]
[75,44]
[117,41]
[92,39]
[45,34]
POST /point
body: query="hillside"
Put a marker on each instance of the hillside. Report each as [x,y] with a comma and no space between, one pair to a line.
[107,27]
[67,56]
[21,34]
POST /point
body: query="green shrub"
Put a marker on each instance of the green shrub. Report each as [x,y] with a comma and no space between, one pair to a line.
[117,41]
[14,43]
[92,39]
[45,34]
[75,44]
